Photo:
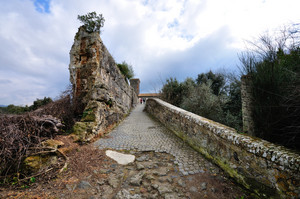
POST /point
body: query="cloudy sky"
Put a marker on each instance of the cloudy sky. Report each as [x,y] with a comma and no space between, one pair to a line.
[159,38]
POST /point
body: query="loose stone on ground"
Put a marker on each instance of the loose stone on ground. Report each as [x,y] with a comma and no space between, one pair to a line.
[120,157]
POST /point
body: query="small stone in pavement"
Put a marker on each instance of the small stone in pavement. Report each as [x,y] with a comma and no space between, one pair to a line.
[193,189]
[181,183]
[136,179]
[213,190]
[203,186]
[155,186]
[143,158]
[126,194]
[139,166]
[171,196]
[150,177]
[84,185]
[162,189]
[112,181]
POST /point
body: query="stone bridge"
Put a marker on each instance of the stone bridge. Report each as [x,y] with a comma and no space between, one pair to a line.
[195,143]
[165,166]
[188,140]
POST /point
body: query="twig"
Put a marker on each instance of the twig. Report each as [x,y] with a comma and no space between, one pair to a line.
[27,178]
[66,163]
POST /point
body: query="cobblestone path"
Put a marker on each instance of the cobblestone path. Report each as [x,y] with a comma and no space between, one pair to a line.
[140,132]
[165,167]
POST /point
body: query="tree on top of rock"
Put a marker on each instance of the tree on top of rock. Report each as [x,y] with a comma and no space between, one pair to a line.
[92,22]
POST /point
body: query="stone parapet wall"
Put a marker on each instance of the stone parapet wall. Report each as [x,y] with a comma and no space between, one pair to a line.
[269,170]
[99,86]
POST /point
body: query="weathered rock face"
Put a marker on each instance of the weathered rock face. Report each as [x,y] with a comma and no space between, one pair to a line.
[98,84]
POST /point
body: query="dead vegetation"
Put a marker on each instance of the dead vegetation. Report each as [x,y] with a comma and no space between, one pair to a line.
[21,136]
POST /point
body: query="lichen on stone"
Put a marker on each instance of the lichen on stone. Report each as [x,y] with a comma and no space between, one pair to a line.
[258,160]
[83,130]
[33,164]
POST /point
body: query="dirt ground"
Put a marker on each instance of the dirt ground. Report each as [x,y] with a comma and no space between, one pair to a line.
[91,174]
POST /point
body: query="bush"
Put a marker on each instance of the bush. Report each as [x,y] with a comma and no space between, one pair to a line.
[19,134]
[126,70]
[92,22]
[172,92]
[217,81]
[274,66]
[40,102]
[209,96]
[202,101]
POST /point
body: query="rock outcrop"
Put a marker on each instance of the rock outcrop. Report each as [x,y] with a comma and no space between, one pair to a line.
[99,86]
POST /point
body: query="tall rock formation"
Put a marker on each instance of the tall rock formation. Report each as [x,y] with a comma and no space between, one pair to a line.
[99,86]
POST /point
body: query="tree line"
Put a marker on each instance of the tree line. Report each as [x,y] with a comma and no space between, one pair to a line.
[13,109]
[215,96]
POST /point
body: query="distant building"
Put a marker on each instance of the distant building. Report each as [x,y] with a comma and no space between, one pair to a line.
[149,95]
[135,84]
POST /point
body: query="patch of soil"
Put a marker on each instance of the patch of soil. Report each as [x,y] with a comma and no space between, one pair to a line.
[83,161]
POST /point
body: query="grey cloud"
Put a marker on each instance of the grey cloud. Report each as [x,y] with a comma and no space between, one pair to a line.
[5,81]
[210,53]
[34,52]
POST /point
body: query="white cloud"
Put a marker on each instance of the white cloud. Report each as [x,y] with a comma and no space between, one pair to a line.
[177,38]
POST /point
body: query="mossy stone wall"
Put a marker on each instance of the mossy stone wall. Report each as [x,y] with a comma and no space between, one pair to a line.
[266,169]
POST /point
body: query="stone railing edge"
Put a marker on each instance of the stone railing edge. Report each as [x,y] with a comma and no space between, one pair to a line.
[285,158]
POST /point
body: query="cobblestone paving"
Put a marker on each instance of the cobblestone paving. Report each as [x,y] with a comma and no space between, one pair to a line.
[141,133]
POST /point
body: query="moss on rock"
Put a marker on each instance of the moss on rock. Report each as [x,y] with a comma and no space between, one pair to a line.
[83,130]
[88,116]
[52,143]
[35,163]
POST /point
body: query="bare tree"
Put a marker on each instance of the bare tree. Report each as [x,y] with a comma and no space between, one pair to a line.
[273,62]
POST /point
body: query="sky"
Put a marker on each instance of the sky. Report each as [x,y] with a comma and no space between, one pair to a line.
[159,38]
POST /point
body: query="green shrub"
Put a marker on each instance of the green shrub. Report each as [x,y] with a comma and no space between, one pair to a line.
[126,70]
[92,22]
[202,101]
[172,92]
[217,81]
[208,96]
